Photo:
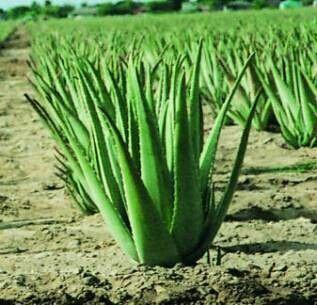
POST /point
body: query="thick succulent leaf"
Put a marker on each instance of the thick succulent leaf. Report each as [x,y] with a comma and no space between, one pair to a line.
[290,105]
[187,202]
[195,107]
[306,96]
[80,195]
[133,132]
[169,134]
[58,136]
[101,90]
[276,104]
[111,215]
[223,206]
[217,213]
[154,171]
[101,152]
[153,242]
[78,129]
[208,155]
[119,101]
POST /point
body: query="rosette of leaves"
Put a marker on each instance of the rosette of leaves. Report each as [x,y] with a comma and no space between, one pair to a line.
[293,96]
[138,156]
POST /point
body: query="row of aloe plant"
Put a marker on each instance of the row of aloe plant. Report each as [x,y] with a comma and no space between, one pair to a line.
[6,28]
[129,127]
[131,145]
[222,58]
[285,79]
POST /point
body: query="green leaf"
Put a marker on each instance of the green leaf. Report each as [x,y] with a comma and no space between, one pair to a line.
[208,155]
[187,202]
[154,244]
[154,171]
[217,214]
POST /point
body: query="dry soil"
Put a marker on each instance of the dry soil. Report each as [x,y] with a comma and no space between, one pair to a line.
[51,254]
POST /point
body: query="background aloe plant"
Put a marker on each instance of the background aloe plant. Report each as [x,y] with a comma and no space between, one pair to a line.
[132,146]
[248,90]
[6,28]
[220,68]
[293,96]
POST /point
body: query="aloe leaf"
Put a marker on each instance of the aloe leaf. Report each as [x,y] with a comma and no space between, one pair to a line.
[287,98]
[187,201]
[306,96]
[208,155]
[217,214]
[169,141]
[76,126]
[230,188]
[107,209]
[102,160]
[120,104]
[153,242]
[154,171]
[56,134]
[276,103]
[195,106]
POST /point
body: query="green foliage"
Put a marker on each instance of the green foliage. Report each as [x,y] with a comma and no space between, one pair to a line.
[6,28]
[218,4]
[130,134]
[307,2]
[293,96]
[125,107]
[301,167]
[126,7]
[158,6]
[228,37]
[249,90]
[259,4]
[56,11]
[18,12]
[34,10]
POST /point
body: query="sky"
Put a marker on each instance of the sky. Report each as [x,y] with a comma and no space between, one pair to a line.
[11,3]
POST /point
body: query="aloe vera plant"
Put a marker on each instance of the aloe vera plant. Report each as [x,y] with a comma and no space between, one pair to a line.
[214,87]
[6,28]
[221,65]
[248,91]
[293,96]
[139,157]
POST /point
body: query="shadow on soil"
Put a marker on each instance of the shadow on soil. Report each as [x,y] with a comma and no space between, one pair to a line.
[270,246]
[15,40]
[257,213]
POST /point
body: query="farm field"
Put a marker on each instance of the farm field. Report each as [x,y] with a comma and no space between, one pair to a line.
[51,253]
[6,29]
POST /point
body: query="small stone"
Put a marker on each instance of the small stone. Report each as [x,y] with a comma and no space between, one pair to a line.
[280,267]
[90,279]
[313,283]
[20,280]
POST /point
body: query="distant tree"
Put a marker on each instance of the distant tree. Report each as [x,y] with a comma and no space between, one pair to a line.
[126,7]
[258,4]
[35,8]
[177,4]
[64,11]
[158,6]
[217,4]
[57,11]
[48,3]
[2,14]
[18,12]
[84,4]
